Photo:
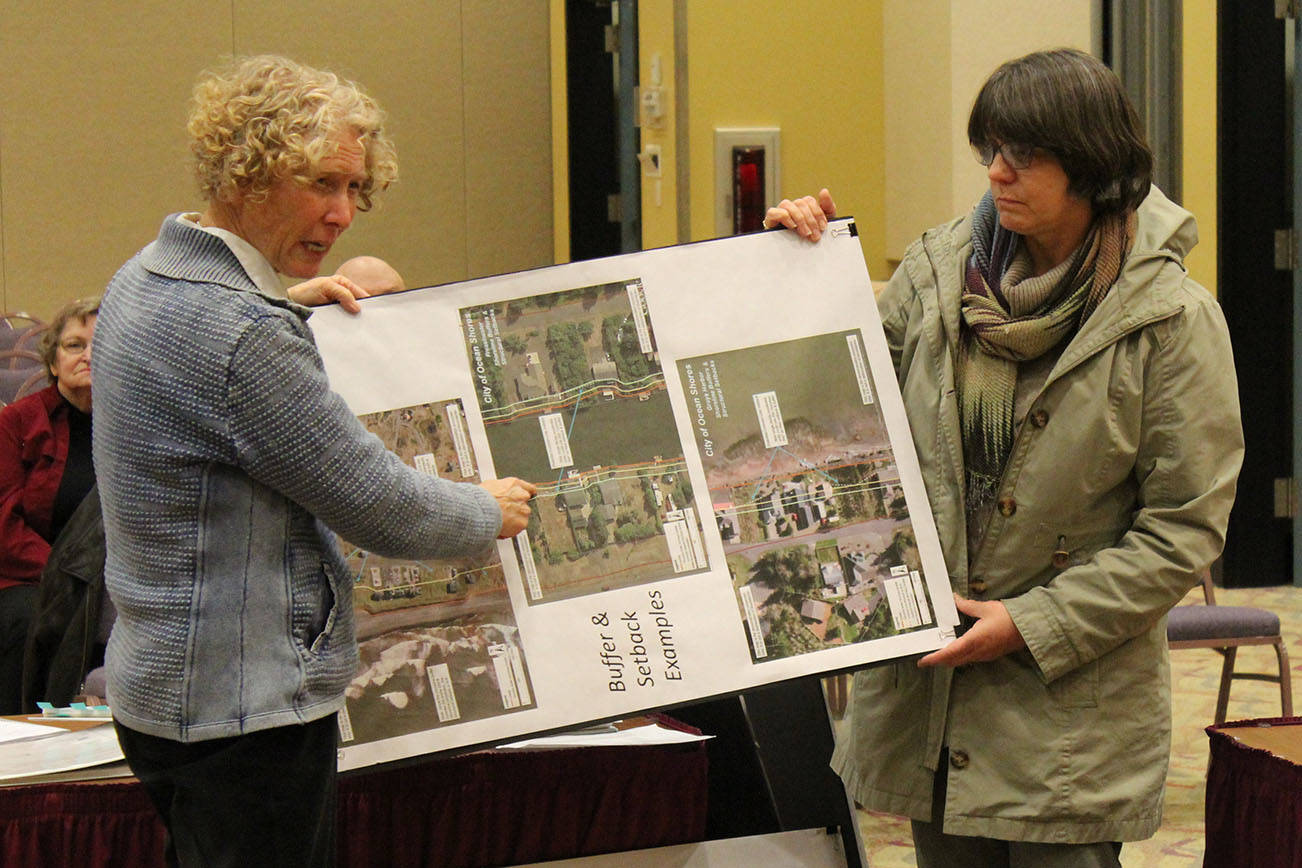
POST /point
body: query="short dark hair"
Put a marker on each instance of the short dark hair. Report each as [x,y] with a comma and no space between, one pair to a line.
[80,309]
[1071,105]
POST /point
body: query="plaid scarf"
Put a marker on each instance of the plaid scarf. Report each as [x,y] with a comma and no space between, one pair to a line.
[1010,317]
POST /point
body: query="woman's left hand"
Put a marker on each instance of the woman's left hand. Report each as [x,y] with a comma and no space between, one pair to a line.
[806,216]
[992,636]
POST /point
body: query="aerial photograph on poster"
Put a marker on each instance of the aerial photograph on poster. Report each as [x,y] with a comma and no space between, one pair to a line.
[438,639]
[806,494]
[573,398]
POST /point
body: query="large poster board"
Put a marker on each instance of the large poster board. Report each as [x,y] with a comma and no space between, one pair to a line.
[728,493]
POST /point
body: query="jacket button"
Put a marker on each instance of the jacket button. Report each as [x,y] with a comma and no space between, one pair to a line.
[977,586]
[1007,506]
[1061,559]
[1040,418]
[958,759]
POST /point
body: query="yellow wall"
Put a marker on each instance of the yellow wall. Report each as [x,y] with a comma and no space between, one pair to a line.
[92,130]
[814,71]
[92,150]
[919,122]
[937,55]
[1198,146]
[660,202]
[560,135]
[822,76]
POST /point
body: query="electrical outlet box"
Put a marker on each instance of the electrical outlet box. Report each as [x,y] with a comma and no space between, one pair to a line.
[651,160]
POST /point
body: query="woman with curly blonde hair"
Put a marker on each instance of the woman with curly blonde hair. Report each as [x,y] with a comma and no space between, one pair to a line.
[267,118]
[225,462]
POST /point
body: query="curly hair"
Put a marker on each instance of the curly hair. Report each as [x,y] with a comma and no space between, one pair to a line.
[265,118]
[80,309]
[1070,104]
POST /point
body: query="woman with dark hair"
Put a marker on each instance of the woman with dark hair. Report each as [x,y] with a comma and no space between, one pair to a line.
[45,472]
[1073,404]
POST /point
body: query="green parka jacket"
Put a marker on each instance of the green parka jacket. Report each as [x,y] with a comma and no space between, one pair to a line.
[1127,462]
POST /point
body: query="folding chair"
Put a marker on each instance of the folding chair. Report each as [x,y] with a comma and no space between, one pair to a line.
[1224,629]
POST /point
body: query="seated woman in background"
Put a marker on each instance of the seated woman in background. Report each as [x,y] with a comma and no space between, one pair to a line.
[45,472]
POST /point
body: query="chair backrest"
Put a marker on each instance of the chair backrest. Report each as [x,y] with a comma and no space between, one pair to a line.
[20,331]
[9,338]
[19,321]
[30,339]
[19,360]
[21,382]
[33,384]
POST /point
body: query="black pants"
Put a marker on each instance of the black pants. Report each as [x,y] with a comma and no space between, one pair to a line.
[17,608]
[265,799]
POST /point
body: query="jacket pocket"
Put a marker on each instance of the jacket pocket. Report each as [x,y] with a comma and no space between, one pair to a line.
[321,621]
[1078,688]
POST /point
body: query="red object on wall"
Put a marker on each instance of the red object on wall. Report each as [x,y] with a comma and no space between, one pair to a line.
[748,193]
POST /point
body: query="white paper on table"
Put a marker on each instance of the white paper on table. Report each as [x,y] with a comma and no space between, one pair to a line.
[17,730]
[60,753]
[638,735]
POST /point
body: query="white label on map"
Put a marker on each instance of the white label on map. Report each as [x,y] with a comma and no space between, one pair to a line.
[527,565]
[698,545]
[457,425]
[860,368]
[637,301]
[770,419]
[505,677]
[440,685]
[556,440]
[753,621]
[517,668]
[345,725]
[920,594]
[679,537]
[904,608]
[426,463]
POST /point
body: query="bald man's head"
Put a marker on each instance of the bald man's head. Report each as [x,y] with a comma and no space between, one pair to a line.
[372,274]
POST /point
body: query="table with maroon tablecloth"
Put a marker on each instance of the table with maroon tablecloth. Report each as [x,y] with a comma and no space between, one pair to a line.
[487,808]
[1254,794]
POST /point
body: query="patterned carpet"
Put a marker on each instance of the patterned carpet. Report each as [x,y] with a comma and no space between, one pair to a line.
[1195,678]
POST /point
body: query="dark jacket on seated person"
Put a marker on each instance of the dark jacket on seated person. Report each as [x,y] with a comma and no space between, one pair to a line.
[65,641]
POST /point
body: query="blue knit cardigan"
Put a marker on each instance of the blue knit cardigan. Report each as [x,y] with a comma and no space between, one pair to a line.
[223,460]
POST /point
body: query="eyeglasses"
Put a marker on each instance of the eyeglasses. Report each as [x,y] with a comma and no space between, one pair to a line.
[74,347]
[1016,155]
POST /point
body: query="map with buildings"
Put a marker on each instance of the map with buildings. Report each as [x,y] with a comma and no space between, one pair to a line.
[438,640]
[573,398]
[806,493]
[728,493]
